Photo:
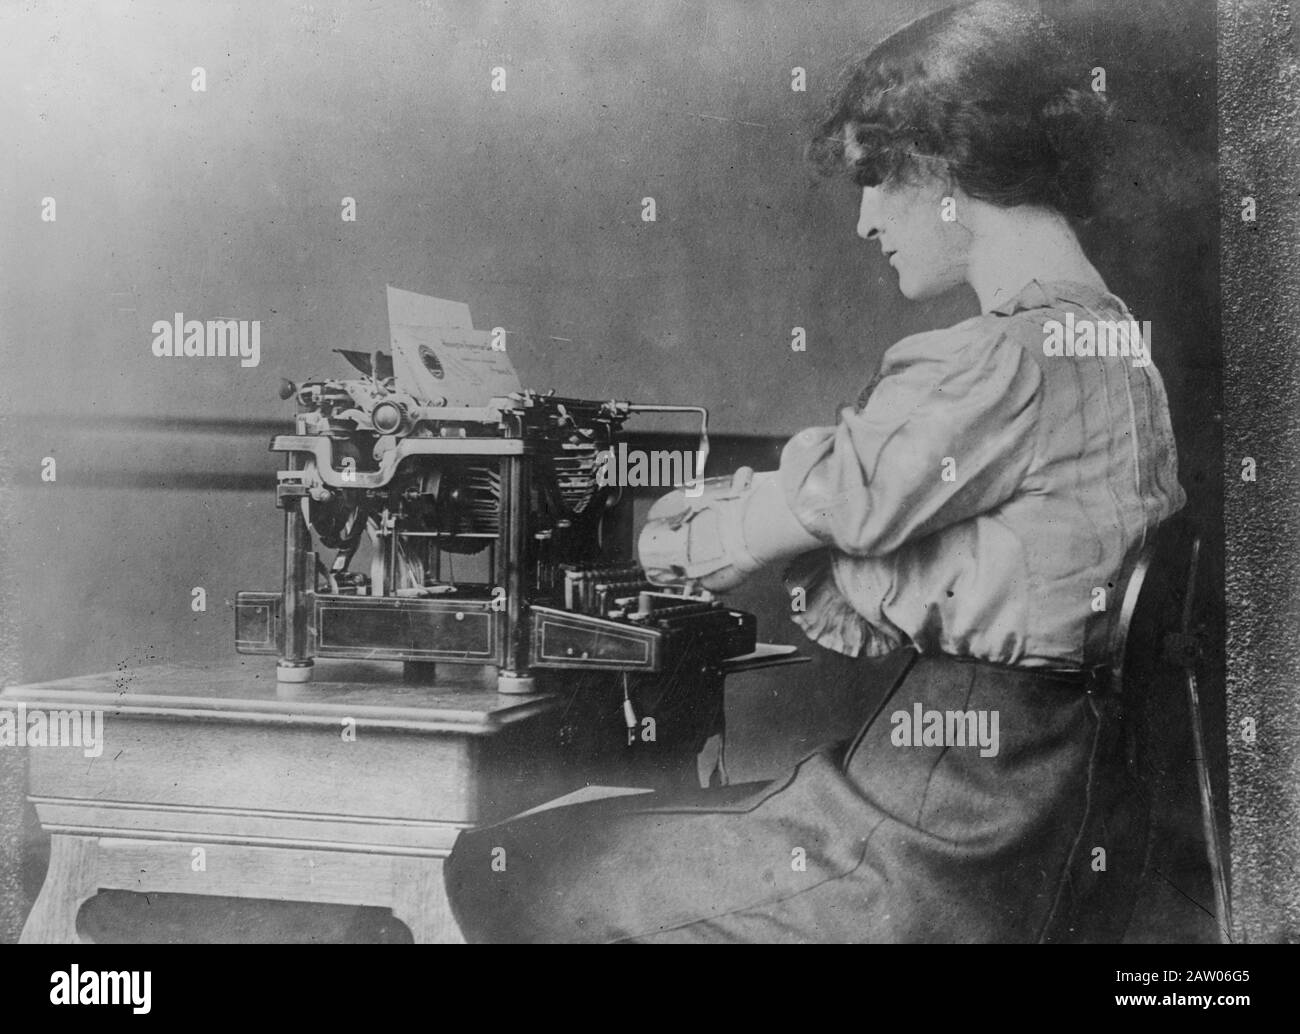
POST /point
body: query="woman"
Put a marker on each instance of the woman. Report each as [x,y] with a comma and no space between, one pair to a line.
[978,509]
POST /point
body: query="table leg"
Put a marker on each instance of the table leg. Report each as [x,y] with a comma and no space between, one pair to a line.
[72,880]
[420,901]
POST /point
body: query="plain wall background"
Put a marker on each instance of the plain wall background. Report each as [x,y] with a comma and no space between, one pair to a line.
[524,204]
[1259,97]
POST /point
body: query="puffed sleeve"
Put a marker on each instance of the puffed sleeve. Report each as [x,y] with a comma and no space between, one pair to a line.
[946,434]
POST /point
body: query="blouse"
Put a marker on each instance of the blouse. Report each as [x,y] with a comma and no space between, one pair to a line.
[987,496]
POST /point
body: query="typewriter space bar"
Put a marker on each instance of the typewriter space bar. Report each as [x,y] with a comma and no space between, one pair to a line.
[765,655]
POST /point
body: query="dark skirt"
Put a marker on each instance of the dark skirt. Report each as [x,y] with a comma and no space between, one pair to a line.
[869,840]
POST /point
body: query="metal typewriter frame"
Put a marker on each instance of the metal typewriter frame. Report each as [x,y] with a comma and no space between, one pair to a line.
[517,634]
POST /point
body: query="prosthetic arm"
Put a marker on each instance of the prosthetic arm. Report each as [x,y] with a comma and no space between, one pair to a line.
[724,534]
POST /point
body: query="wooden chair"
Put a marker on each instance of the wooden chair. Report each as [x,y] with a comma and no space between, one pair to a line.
[1164,640]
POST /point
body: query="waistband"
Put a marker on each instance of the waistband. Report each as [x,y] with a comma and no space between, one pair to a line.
[1095,680]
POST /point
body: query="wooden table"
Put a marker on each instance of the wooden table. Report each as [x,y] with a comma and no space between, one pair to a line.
[349,789]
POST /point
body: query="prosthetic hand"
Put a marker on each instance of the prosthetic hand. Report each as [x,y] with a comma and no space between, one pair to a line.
[723,535]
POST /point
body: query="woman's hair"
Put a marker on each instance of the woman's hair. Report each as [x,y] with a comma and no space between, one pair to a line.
[987,93]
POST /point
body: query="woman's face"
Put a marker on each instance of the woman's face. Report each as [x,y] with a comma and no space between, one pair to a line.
[919,227]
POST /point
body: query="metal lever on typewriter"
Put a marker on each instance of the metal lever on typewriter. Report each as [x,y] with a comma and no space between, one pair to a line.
[702,456]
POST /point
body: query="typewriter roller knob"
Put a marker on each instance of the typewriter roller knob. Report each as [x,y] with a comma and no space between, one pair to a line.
[387,417]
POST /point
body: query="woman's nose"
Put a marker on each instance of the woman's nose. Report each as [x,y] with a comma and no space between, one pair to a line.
[869,214]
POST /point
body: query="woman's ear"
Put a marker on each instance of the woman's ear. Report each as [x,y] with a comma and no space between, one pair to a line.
[939,189]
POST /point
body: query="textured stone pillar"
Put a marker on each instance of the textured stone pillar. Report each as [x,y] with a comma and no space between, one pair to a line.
[1259,123]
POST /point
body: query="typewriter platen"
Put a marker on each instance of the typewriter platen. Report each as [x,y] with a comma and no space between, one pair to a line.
[476,534]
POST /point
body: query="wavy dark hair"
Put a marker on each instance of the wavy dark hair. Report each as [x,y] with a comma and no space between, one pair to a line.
[986,92]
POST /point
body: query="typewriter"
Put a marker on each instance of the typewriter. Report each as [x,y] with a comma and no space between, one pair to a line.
[468,524]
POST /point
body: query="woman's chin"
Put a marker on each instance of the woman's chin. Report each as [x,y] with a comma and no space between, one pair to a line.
[913,290]
[918,290]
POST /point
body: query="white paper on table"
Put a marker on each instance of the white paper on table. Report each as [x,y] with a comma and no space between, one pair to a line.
[409,307]
[438,355]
